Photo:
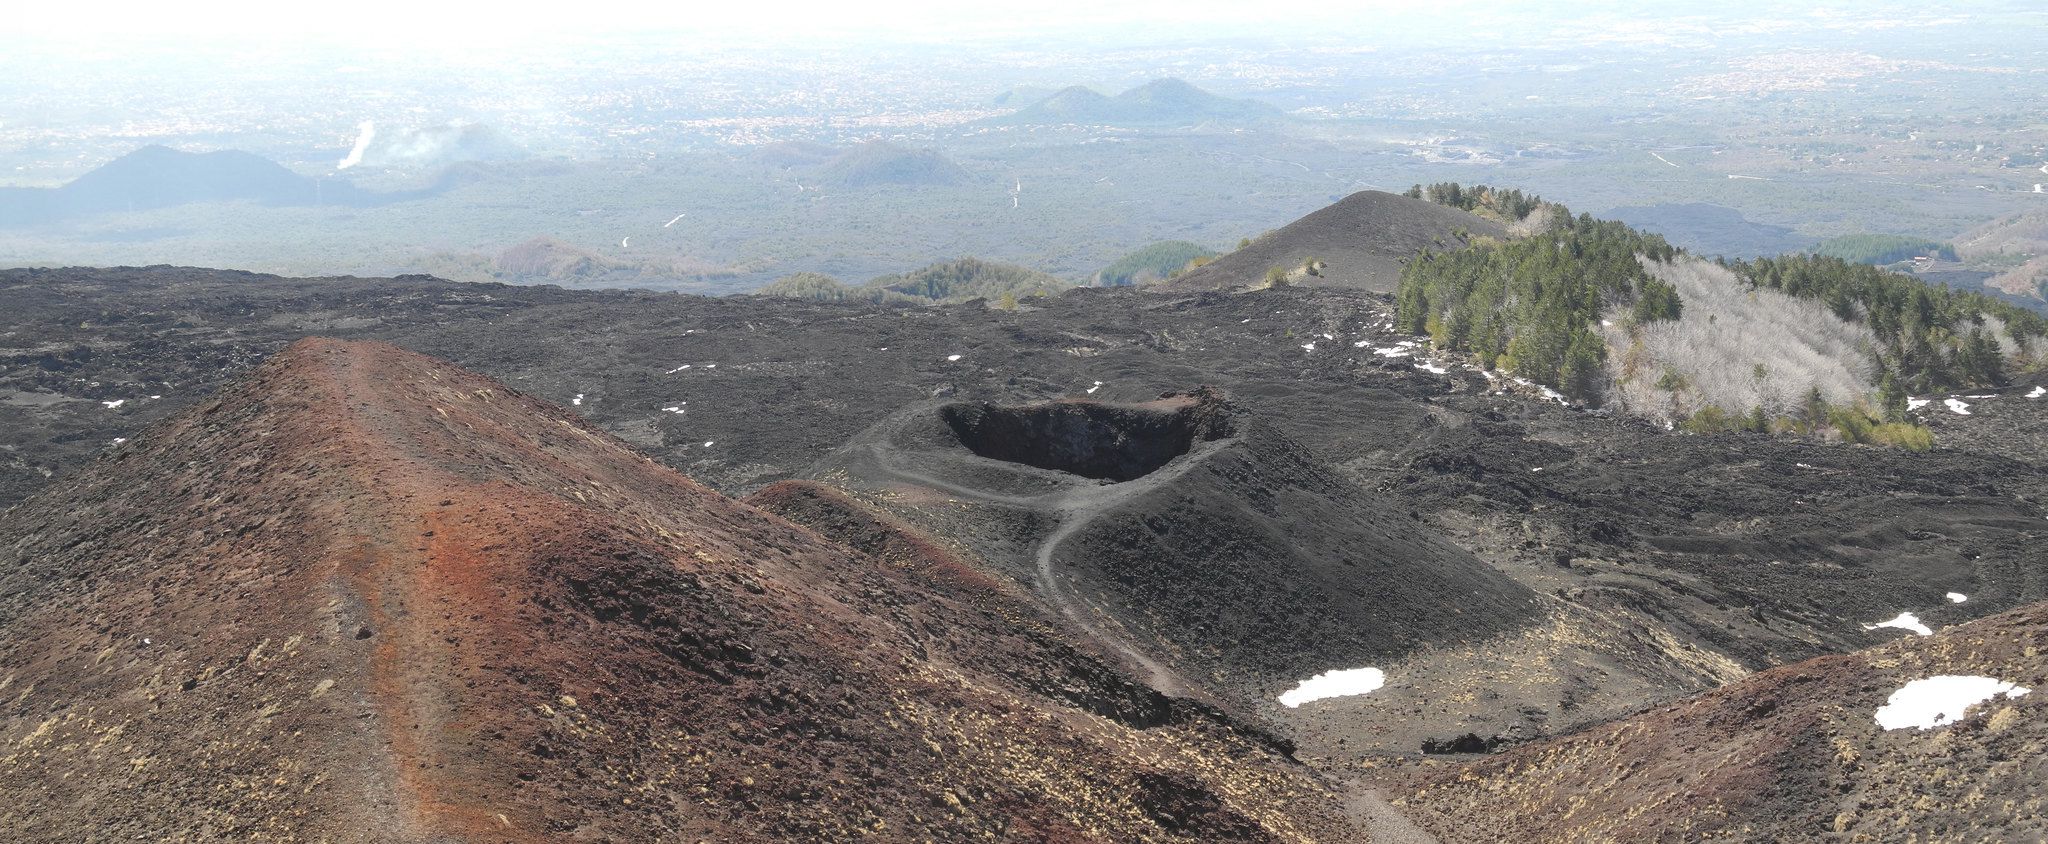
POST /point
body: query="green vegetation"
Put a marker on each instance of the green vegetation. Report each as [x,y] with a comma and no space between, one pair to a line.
[1931,338]
[1528,306]
[1853,423]
[950,281]
[1882,248]
[1507,206]
[1157,262]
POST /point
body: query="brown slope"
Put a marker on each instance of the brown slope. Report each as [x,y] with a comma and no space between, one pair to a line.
[366,596]
[1363,240]
[1790,754]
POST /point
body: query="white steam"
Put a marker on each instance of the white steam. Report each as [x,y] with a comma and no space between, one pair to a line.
[363,139]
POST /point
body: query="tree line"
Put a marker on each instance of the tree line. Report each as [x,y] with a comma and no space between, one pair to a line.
[1528,306]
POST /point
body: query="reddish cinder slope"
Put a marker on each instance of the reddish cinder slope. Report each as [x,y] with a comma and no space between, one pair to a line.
[366,596]
[1790,754]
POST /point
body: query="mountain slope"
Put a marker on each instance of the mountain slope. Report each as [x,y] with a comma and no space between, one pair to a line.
[1362,240]
[1795,753]
[365,596]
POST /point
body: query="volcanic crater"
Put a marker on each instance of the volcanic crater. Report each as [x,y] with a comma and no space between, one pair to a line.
[1110,442]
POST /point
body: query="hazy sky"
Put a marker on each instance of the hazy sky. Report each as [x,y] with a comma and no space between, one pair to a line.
[453,26]
[403,20]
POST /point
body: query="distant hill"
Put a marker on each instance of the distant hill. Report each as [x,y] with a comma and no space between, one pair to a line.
[1156,262]
[1165,101]
[160,177]
[948,281]
[886,163]
[1362,240]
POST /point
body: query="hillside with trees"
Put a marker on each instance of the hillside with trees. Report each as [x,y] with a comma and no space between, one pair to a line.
[1930,338]
[1529,306]
[1156,262]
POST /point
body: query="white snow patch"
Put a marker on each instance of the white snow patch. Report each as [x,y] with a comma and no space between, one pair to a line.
[1916,404]
[120,440]
[1338,683]
[1391,352]
[676,410]
[707,443]
[952,358]
[677,369]
[1309,346]
[2038,392]
[1957,597]
[1940,700]
[1958,406]
[578,400]
[1904,621]
[1430,367]
[115,404]
[1098,386]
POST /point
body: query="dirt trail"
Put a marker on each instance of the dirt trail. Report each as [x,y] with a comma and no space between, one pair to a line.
[1383,824]
[1075,508]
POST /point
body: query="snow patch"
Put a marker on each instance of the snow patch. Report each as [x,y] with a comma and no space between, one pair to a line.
[1941,700]
[1958,407]
[577,401]
[952,358]
[115,404]
[1430,367]
[677,369]
[1916,404]
[1098,386]
[675,410]
[1904,621]
[1338,683]
[2038,392]
[707,443]
[1957,597]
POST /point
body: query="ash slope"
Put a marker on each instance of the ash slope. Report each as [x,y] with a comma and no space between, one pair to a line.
[1177,531]
[366,596]
[1792,754]
[1363,239]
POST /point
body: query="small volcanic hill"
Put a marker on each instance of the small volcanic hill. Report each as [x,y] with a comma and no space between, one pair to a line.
[1160,102]
[1792,754]
[1163,530]
[364,596]
[1362,241]
[161,177]
[884,163]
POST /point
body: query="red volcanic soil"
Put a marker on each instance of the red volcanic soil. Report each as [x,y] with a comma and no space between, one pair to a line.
[364,596]
[1790,754]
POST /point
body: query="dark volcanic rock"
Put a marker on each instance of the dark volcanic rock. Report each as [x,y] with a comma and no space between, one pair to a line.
[365,596]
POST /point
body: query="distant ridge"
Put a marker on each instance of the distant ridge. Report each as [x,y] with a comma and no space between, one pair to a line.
[1362,241]
[160,177]
[1163,101]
